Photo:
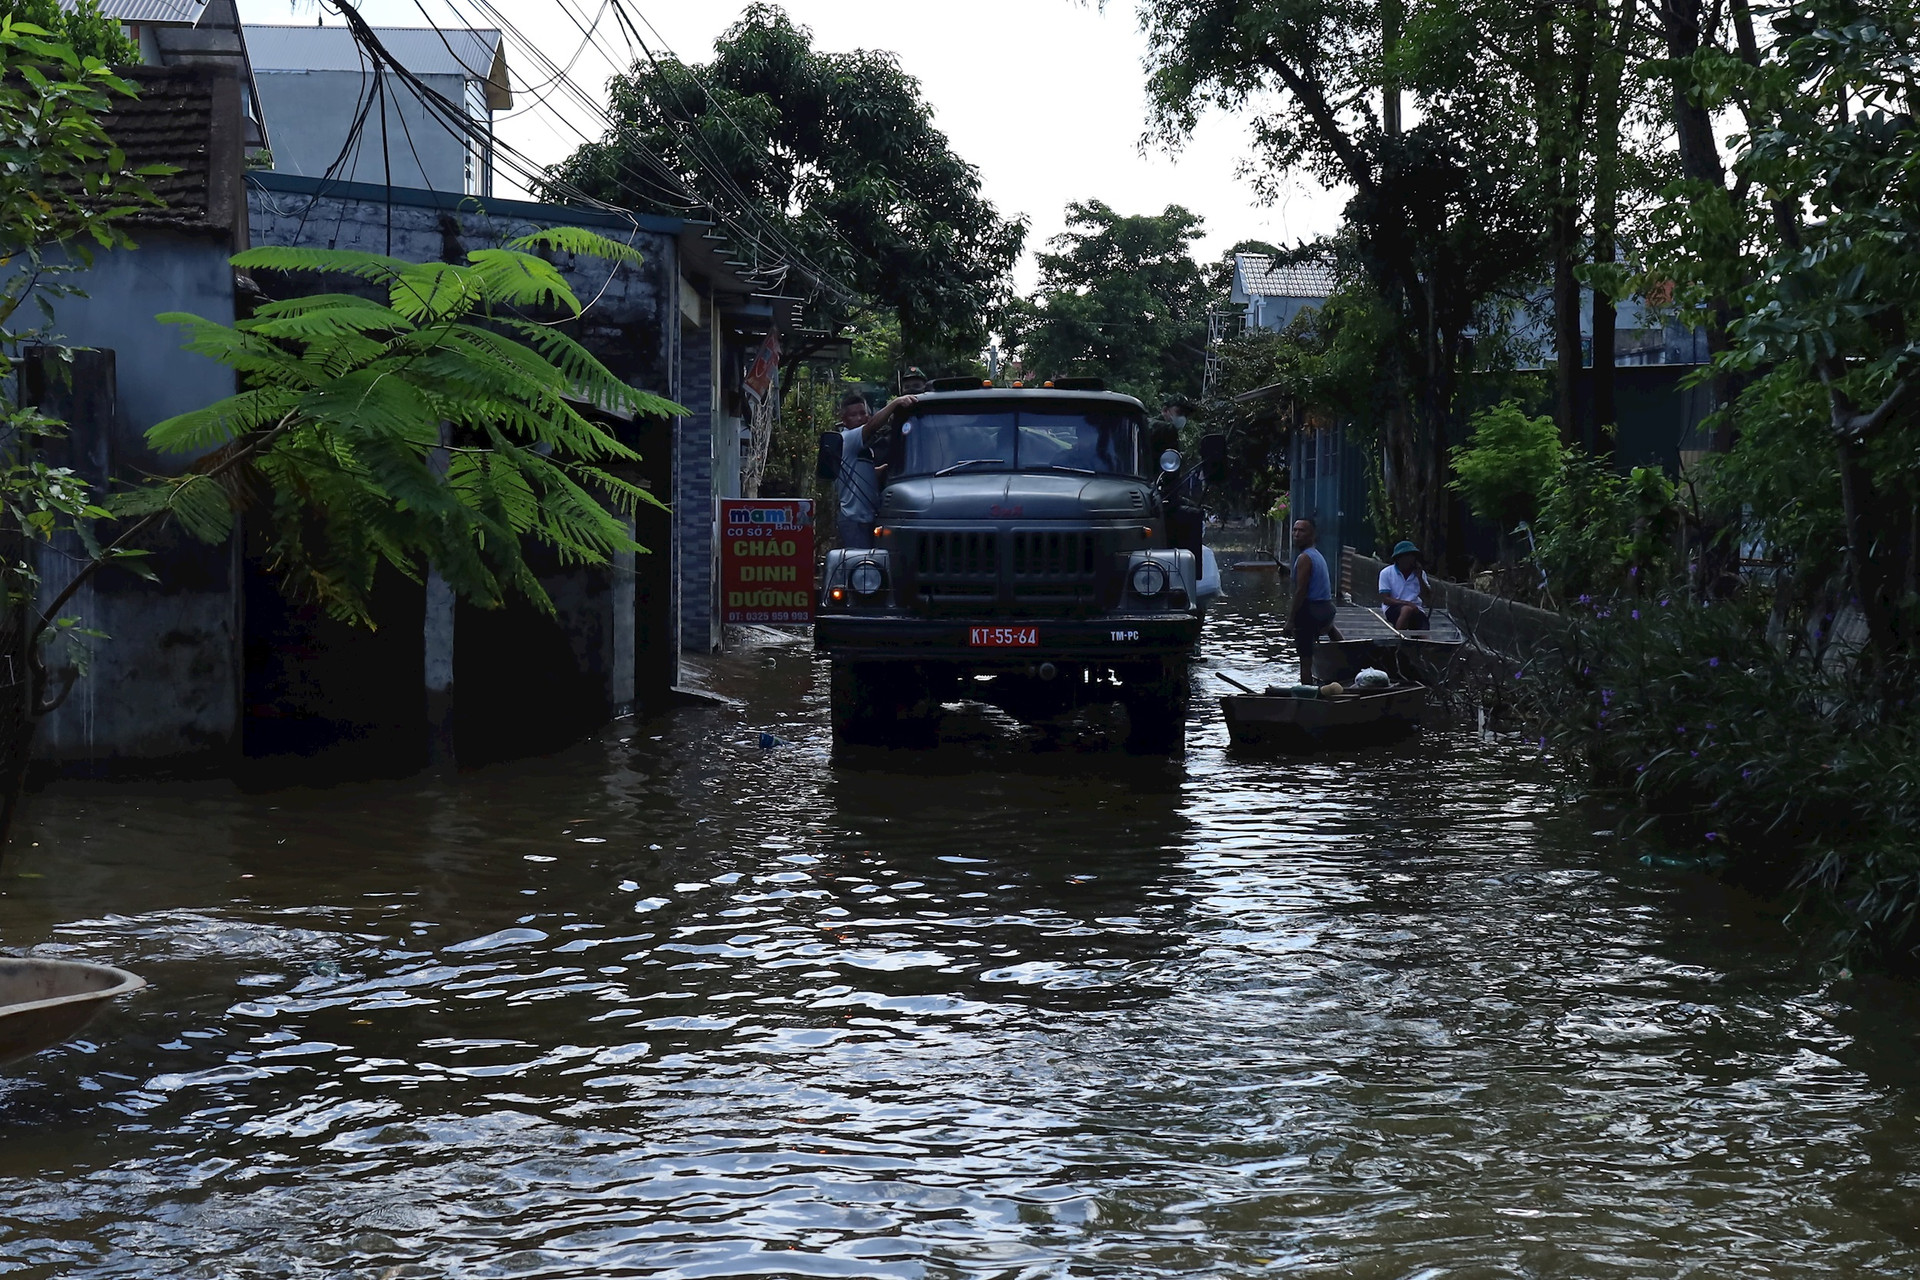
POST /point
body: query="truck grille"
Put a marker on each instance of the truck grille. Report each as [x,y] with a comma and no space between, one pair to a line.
[953,563]
[1019,569]
[1051,559]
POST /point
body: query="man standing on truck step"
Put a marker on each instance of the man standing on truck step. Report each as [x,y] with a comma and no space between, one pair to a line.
[863,441]
[1312,595]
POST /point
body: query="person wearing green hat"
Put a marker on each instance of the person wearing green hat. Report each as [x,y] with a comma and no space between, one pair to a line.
[1404,590]
[914,381]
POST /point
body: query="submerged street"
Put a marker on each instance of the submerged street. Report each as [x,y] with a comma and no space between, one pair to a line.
[675,1004]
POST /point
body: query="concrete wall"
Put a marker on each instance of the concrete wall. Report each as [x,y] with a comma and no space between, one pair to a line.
[165,683]
[309,115]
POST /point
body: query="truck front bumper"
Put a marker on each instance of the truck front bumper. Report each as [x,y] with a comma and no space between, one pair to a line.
[1111,638]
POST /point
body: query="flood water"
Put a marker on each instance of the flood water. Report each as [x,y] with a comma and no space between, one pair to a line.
[672,1004]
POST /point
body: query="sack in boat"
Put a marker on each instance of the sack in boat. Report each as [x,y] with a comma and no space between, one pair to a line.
[1371,678]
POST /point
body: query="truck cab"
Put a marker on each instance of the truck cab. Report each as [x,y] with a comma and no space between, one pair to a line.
[1029,552]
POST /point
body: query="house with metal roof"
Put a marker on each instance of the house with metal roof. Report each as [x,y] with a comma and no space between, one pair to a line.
[333,115]
[193,33]
[1273,293]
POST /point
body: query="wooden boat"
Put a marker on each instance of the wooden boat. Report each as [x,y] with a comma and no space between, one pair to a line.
[1418,657]
[46,1002]
[1344,719]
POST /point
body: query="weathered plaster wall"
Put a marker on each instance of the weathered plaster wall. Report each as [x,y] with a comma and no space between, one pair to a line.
[164,684]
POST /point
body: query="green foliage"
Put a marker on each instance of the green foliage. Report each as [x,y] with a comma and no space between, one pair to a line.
[1120,298]
[64,189]
[1768,759]
[439,427]
[1600,534]
[838,154]
[1509,462]
[81,27]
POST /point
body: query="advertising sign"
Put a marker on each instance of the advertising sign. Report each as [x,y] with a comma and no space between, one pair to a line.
[766,560]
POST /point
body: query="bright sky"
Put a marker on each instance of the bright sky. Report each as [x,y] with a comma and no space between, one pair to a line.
[1046,97]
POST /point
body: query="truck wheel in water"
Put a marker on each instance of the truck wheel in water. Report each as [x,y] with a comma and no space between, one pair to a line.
[882,704]
[1156,702]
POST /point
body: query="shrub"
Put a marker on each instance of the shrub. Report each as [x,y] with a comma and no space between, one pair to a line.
[1511,459]
[1767,758]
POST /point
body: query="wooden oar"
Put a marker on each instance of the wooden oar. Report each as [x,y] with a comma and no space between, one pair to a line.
[1236,684]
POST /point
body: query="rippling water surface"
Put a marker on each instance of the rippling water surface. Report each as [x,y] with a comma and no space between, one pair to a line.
[674,1005]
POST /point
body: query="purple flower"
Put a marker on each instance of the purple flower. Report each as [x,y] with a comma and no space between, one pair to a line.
[1586,599]
[1634,572]
[1713,662]
[1636,615]
[1663,604]
[1606,697]
[1745,774]
[1713,835]
[1709,726]
[1694,754]
[1680,729]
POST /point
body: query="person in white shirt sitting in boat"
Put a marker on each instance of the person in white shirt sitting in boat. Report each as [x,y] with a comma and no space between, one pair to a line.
[1405,592]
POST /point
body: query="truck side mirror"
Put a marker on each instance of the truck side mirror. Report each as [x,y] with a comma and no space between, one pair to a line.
[1213,455]
[827,465]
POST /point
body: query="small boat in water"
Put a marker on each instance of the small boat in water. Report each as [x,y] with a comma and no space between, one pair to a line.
[47,1002]
[1293,722]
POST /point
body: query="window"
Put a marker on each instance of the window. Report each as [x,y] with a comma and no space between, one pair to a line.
[1096,442]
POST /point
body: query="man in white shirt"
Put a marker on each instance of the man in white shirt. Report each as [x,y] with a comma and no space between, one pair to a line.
[863,441]
[1405,591]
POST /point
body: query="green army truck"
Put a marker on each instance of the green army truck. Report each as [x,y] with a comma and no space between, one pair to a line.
[1030,552]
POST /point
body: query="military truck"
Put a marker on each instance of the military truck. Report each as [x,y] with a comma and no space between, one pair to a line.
[1030,552]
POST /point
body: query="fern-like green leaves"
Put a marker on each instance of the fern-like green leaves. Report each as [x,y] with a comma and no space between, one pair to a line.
[437,425]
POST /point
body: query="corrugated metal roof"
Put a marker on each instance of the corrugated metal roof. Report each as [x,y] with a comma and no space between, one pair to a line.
[425,51]
[1262,278]
[183,12]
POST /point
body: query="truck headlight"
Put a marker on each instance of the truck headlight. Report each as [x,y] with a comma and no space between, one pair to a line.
[867,578]
[1148,579]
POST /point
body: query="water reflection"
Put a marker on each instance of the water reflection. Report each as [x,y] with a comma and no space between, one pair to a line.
[672,1004]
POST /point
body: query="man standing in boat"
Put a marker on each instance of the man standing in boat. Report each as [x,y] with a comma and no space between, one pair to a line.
[1405,592]
[1312,595]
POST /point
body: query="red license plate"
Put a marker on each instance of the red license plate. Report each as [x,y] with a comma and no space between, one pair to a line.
[1004,637]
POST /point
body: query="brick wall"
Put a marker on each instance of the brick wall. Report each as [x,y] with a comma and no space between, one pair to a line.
[693,490]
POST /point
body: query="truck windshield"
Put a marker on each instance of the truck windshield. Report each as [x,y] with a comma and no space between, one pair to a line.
[1095,442]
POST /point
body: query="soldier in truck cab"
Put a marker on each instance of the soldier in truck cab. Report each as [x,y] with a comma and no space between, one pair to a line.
[863,441]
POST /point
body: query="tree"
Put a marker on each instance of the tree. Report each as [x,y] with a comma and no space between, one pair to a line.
[1437,228]
[64,190]
[831,162]
[1120,298]
[1507,467]
[1836,305]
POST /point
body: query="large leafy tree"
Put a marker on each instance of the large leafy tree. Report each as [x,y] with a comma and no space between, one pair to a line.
[1439,228]
[829,164]
[1120,298]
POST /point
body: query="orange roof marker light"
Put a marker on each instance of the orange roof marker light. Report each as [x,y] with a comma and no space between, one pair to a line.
[1016,382]
[1047,383]
[986,382]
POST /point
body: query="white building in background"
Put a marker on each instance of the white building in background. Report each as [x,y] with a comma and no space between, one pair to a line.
[315,83]
[1273,294]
